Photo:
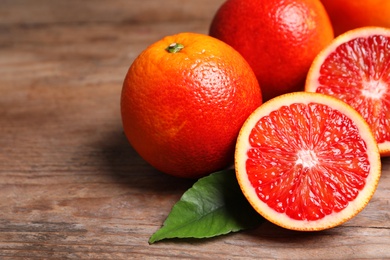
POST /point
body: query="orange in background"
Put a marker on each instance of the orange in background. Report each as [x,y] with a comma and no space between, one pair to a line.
[279,38]
[351,14]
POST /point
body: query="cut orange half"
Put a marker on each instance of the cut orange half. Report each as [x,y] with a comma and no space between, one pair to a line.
[355,68]
[307,161]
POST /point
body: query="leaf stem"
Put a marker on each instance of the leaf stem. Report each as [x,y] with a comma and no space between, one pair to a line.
[174,47]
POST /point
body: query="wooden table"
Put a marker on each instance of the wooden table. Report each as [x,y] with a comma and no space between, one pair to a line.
[70,184]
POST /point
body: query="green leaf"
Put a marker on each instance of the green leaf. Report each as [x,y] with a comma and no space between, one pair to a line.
[213,206]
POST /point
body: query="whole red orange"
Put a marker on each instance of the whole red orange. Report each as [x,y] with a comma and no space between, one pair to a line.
[278,38]
[184,100]
[351,14]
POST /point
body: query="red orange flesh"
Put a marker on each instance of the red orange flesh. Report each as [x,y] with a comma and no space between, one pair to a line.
[307,161]
[355,68]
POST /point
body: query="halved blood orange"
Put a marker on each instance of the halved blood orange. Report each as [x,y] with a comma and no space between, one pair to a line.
[355,68]
[307,161]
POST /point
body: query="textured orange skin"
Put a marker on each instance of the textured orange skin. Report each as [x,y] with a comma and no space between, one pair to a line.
[182,111]
[278,38]
[351,14]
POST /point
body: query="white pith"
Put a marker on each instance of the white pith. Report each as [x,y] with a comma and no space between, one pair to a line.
[374,89]
[307,158]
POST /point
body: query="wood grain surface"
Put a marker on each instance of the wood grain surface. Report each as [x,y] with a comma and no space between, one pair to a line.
[71,187]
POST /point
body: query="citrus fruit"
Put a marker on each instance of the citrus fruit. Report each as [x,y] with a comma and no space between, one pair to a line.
[355,68]
[184,100]
[346,15]
[278,38]
[307,161]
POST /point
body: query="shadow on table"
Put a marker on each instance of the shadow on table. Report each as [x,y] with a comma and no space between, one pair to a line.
[265,233]
[268,231]
[128,168]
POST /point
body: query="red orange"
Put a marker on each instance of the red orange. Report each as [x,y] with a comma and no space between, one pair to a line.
[351,14]
[307,161]
[355,68]
[183,102]
[279,38]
